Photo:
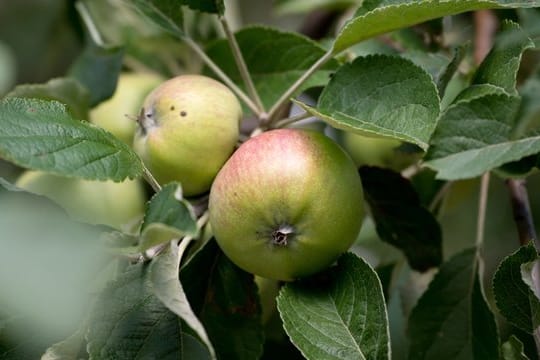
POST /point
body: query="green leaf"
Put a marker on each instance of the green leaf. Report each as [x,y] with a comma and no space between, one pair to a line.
[273,70]
[400,218]
[167,14]
[452,319]
[305,6]
[340,316]
[41,135]
[225,299]
[66,349]
[97,68]
[379,17]
[381,95]
[68,91]
[129,322]
[513,349]
[451,69]
[209,6]
[515,300]
[502,63]
[164,272]
[167,216]
[529,112]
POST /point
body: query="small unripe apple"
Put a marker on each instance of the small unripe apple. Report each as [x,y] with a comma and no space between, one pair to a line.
[286,204]
[96,202]
[116,114]
[378,151]
[189,126]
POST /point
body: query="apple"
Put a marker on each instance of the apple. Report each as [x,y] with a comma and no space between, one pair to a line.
[286,204]
[378,151]
[189,126]
[114,114]
[96,202]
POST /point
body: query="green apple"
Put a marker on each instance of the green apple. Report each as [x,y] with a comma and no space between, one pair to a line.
[286,204]
[189,127]
[378,151]
[96,202]
[116,114]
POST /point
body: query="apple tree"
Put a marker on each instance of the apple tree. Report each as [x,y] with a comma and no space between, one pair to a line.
[226,179]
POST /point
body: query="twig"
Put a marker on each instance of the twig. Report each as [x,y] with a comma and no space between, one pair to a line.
[482,207]
[89,23]
[291,120]
[439,195]
[216,69]
[150,179]
[485,25]
[294,87]
[241,64]
[522,212]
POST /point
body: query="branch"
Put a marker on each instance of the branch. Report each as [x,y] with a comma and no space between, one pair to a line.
[150,179]
[482,207]
[522,212]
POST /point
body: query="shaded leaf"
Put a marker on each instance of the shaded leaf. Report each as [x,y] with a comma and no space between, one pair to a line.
[225,299]
[451,69]
[514,298]
[167,14]
[513,349]
[341,316]
[381,95]
[452,319]
[379,17]
[129,322]
[400,218]
[305,6]
[164,272]
[67,91]
[41,135]
[273,70]
[97,68]
[67,349]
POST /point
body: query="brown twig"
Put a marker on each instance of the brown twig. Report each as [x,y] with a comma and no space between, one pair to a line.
[522,212]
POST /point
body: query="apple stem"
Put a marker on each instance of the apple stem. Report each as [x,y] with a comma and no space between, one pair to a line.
[482,206]
[522,212]
[294,87]
[291,120]
[216,69]
[241,64]
[150,179]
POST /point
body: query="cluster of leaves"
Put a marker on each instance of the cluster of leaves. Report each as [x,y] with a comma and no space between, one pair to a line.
[190,301]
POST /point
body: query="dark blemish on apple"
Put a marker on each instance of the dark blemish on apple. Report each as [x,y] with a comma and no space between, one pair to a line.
[172,107]
[183,113]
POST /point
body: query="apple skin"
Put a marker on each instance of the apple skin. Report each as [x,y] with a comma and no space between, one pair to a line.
[377,151]
[95,202]
[189,128]
[131,90]
[286,204]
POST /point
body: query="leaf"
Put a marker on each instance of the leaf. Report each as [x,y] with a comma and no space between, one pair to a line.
[167,216]
[164,272]
[451,69]
[67,349]
[381,95]
[342,316]
[97,68]
[529,112]
[304,6]
[400,218]
[502,63]
[68,91]
[452,319]
[514,298]
[41,135]
[513,349]
[209,6]
[380,17]
[129,322]
[530,275]
[167,14]
[225,300]
[273,70]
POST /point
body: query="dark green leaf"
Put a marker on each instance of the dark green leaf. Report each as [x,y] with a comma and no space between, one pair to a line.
[452,319]
[65,90]
[381,95]
[129,322]
[400,218]
[167,14]
[381,16]
[513,350]
[515,300]
[340,316]
[272,69]
[451,69]
[306,6]
[97,68]
[209,6]
[167,216]
[225,300]
[41,135]
[164,272]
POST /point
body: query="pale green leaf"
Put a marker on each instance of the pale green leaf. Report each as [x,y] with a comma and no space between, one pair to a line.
[452,319]
[343,317]
[381,95]
[42,135]
[383,16]
[67,349]
[513,349]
